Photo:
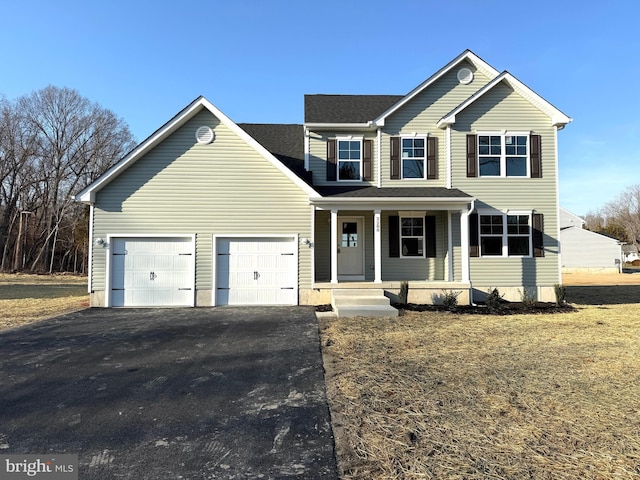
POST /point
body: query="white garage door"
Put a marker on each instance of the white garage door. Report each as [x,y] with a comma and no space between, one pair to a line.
[256,271]
[152,272]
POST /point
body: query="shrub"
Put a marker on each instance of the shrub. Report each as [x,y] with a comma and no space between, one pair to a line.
[561,294]
[493,300]
[527,298]
[450,299]
[403,295]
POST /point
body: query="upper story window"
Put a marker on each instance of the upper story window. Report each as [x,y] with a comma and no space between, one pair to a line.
[505,235]
[414,157]
[503,155]
[349,160]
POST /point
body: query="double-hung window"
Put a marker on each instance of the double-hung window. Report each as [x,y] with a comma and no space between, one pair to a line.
[412,236]
[414,157]
[349,159]
[503,155]
[505,235]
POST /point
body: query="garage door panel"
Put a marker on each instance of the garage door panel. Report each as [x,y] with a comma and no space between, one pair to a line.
[152,272]
[256,271]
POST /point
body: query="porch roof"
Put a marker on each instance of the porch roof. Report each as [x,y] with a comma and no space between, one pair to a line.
[371,195]
[391,192]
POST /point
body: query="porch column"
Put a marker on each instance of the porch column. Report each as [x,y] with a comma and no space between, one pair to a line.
[334,246]
[377,247]
[464,244]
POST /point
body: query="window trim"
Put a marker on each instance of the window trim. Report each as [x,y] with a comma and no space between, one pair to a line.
[360,160]
[404,215]
[503,152]
[505,234]
[424,158]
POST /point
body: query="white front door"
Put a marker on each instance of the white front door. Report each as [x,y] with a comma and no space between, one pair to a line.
[351,248]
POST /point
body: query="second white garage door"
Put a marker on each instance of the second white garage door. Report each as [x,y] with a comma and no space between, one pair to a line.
[256,271]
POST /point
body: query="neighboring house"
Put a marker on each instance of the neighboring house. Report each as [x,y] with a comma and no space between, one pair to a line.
[629,253]
[451,186]
[584,250]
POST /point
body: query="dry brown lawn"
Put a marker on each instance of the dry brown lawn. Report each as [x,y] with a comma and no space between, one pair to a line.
[26,298]
[443,395]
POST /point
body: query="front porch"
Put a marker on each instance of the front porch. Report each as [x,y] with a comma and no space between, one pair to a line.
[377,238]
[420,292]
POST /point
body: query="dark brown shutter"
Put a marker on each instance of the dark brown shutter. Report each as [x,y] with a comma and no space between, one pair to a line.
[474,239]
[332,164]
[538,235]
[367,147]
[430,235]
[535,156]
[472,158]
[432,155]
[395,158]
[394,236]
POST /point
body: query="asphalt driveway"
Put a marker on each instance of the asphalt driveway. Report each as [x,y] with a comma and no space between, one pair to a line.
[224,393]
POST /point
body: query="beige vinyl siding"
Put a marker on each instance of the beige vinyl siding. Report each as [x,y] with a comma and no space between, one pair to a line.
[318,156]
[457,246]
[181,187]
[503,109]
[415,268]
[421,116]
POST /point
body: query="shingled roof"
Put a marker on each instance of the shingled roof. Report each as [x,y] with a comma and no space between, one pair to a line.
[346,108]
[390,192]
[285,142]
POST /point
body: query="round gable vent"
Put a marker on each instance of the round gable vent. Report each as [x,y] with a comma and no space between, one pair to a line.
[205,135]
[465,76]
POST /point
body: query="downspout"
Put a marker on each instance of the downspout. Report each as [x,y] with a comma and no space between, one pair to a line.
[90,254]
[379,156]
[555,146]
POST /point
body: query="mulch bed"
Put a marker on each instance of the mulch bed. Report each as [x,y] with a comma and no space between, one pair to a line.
[505,308]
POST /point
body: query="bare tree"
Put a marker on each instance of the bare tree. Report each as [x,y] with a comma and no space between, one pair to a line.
[623,214]
[55,142]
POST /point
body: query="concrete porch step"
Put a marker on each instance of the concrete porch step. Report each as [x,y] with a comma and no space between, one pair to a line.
[361,302]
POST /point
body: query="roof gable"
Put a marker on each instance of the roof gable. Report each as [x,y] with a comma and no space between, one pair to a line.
[558,118]
[87,195]
[467,55]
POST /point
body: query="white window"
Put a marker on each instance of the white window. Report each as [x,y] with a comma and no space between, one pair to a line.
[414,156]
[412,236]
[503,155]
[349,160]
[505,235]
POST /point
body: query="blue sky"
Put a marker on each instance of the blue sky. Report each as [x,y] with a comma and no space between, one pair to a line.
[146,60]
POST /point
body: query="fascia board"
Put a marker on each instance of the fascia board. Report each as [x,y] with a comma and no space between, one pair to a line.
[480,64]
[340,126]
[557,117]
[395,202]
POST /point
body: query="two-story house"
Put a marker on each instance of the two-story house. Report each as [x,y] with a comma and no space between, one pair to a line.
[453,186]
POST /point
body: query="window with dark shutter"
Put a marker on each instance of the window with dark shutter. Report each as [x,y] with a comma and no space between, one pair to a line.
[538,235]
[332,165]
[535,156]
[395,158]
[366,159]
[432,155]
[394,236]
[472,158]
[430,233]
[474,238]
